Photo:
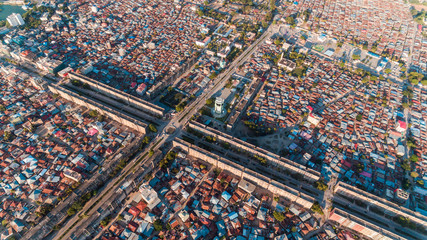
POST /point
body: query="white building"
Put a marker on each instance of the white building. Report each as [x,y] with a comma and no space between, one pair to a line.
[224,52]
[314,119]
[45,17]
[149,195]
[94,8]
[15,19]
[203,43]
[72,175]
[286,64]
[286,46]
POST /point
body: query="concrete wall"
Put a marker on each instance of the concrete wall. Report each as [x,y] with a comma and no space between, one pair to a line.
[139,114]
[370,199]
[273,159]
[122,96]
[239,170]
[369,230]
[120,117]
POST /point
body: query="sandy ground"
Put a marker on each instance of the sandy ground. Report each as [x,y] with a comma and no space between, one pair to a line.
[419,7]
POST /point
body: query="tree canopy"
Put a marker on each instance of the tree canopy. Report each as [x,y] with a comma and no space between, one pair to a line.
[279,216]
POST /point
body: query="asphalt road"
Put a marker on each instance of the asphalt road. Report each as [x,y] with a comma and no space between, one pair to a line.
[60,211]
[105,195]
[178,122]
[219,82]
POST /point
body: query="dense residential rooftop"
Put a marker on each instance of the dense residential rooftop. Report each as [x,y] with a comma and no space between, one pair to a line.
[49,146]
[200,201]
[384,27]
[117,42]
[218,119]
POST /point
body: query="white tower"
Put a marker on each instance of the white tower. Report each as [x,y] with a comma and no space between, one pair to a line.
[219,103]
[219,110]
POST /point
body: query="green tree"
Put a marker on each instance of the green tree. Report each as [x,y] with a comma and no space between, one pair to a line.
[299,72]
[408,93]
[101,118]
[406,184]
[145,140]
[200,12]
[93,113]
[44,210]
[152,128]
[413,81]
[355,57]
[7,135]
[105,221]
[414,174]
[321,185]
[71,211]
[405,105]
[179,108]
[209,101]
[405,166]
[279,216]
[290,20]
[264,24]
[413,158]
[360,167]
[158,225]
[316,208]
[213,75]
[414,78]
[411,143]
